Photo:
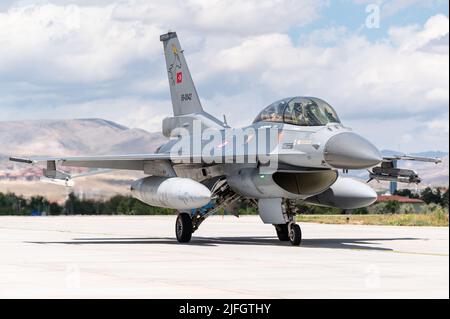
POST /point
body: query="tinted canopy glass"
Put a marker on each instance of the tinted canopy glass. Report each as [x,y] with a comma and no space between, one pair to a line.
[302,111]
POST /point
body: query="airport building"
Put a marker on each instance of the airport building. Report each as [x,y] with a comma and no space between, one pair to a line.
[416,203]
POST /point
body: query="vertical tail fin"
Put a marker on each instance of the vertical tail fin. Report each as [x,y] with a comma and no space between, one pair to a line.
[185,99]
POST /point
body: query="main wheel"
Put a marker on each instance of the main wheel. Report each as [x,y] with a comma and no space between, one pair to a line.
[295,235]
[282,232]
[183,228]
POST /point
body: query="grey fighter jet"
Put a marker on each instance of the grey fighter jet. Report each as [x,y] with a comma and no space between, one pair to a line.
[293,151]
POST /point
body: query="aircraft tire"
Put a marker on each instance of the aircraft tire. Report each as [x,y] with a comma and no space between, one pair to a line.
[295,235]
[282,232]
[183,228]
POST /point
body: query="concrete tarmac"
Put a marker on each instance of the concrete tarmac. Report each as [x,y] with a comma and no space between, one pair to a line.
[138,257]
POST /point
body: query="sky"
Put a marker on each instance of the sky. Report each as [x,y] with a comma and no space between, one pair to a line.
[382,64]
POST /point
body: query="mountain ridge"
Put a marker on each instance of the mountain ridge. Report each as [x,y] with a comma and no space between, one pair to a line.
[74,137]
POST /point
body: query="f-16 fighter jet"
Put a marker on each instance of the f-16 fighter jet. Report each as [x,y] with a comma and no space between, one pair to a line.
[293,151]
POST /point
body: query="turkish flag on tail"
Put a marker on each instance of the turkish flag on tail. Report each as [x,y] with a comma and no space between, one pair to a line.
[179,77]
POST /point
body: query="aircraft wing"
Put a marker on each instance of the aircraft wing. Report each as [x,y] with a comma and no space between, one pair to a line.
[132,162]
[152,164]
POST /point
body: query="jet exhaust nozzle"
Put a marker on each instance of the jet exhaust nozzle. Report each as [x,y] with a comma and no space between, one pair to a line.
[351,151]
[171,192]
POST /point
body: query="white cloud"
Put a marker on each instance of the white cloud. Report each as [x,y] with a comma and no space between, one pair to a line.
[71,43]
[437,95]
[405,135]
[440,126]
[254,16]
[412,38]
[355,75]
[74,43]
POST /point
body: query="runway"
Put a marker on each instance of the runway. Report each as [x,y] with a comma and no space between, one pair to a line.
[138,257]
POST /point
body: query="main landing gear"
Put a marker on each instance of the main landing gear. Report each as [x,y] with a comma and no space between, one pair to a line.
[189,221]
[183,227]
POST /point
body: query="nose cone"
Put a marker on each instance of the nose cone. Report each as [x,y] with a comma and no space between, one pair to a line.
[351,151]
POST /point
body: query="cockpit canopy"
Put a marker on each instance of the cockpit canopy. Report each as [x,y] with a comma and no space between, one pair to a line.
[301,111]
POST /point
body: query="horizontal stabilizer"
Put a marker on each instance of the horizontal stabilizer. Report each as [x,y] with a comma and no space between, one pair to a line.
[54,176]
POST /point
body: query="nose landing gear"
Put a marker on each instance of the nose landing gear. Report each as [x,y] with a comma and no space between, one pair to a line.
[289,231]
[282,232]
[295,234]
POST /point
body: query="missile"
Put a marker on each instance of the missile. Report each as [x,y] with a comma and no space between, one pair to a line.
[171,192]
[398,179]
[393,174]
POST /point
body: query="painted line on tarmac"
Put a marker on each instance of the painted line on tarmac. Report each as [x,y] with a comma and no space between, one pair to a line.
[419,253]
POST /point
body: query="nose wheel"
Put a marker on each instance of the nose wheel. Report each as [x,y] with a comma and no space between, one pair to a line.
[295,234]
[289,232]
[183,228]
[282,232]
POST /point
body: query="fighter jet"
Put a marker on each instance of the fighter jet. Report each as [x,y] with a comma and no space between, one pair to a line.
[295,150]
